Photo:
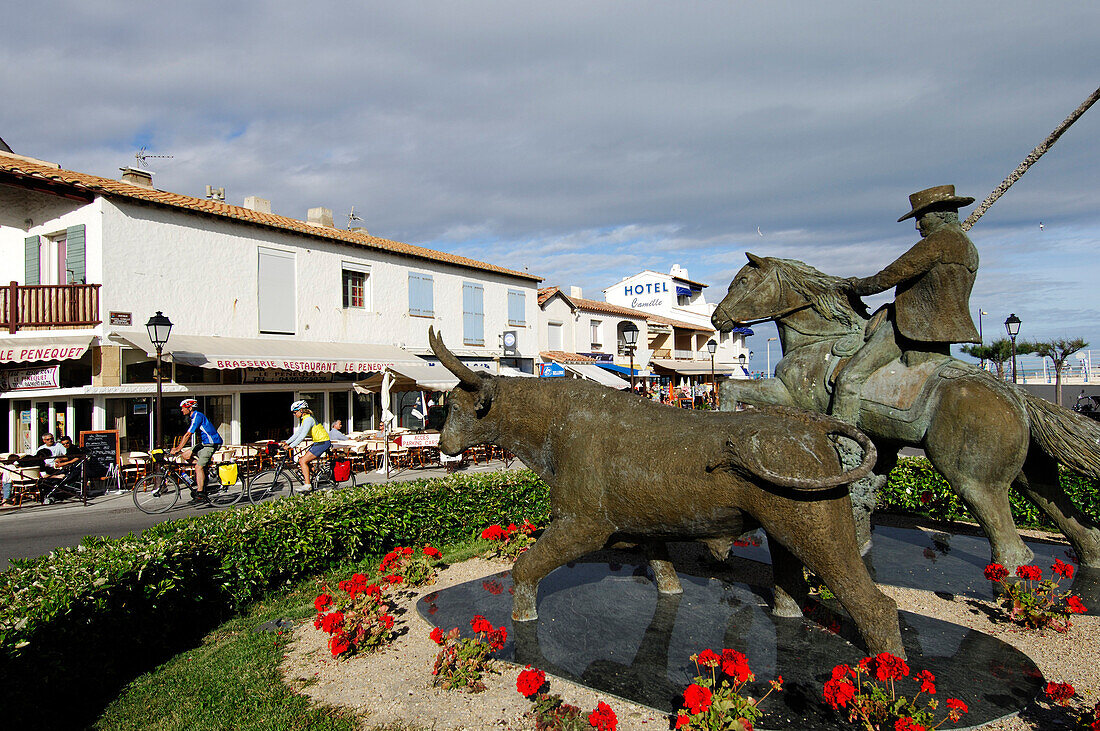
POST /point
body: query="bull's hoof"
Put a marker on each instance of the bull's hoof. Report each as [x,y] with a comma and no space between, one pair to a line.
[523,603]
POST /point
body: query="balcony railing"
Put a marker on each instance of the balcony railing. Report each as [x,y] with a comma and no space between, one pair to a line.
[48,306]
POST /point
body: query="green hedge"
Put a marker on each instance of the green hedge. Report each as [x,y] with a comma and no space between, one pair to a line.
[915,487]
[93,616]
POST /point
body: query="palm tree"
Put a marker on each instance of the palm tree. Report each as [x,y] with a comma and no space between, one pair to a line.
[1058,350]
[996,352]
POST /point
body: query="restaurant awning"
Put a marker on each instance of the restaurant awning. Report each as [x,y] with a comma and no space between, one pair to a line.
[624,370]
[689,367]
[212,351]
[44,347]
[597,374]
[425,376]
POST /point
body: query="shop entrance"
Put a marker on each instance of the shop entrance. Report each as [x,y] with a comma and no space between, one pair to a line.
[266,416]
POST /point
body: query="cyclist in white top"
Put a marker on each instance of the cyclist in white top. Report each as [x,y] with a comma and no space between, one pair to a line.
[315,431]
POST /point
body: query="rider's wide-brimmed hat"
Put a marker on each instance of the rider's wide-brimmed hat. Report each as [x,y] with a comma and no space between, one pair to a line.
[942,196]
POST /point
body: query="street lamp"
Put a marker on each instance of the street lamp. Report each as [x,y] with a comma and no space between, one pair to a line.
[981,339]
[741,361]
[770,357]
[159,328]
[713,346]
[630,337]
[1012,326]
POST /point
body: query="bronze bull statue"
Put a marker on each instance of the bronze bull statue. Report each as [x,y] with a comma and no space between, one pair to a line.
[622,468]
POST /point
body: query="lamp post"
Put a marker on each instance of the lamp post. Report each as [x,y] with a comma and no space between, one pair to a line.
[713,346]
[1012,327]
[981,338]
[769,375]
[159,328]
[630,337]
[741,361]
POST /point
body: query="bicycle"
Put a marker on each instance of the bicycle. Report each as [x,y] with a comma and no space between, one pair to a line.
[281,479]
[160,491]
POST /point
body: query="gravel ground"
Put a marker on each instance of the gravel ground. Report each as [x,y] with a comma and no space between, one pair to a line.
[393,687]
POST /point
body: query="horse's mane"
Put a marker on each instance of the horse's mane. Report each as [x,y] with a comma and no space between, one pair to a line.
[822,291]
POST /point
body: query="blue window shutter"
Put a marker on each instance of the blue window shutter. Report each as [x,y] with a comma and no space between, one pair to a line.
[473,314]
[420,295]
[74,255]
[30,274]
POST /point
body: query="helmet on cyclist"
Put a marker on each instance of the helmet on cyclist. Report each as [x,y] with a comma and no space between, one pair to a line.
[298,405]
[189,403]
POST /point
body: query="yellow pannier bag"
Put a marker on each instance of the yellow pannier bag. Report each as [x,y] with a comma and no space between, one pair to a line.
[227,473]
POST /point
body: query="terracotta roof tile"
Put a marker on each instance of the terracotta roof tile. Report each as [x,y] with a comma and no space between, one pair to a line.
[680,324]
[22,168]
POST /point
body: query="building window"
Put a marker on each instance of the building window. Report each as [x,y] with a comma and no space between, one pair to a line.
[56,259]
[683,300]
[355,286]
[597,342]
[420,295]
[553,336]
[517,307]
[277,298]
[473,314]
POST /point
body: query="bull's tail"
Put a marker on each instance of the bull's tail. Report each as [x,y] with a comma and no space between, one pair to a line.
[1071,439]
[835,428]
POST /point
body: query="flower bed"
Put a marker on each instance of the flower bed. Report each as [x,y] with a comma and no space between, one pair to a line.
[93,616]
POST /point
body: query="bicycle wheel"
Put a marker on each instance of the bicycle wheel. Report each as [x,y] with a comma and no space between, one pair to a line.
[156,493]
[322,479]
[223,496]
[269,483]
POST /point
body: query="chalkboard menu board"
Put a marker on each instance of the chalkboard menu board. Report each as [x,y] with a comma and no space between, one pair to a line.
[101,448]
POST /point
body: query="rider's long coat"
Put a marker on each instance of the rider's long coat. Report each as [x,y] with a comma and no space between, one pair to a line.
[933,281]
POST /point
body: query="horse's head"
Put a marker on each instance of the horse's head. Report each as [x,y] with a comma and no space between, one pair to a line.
[755,294]
[770,289]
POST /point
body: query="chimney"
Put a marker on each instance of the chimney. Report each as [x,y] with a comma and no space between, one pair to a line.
[319,217]
[575,292]
[678,271]
[258,204]
[137,176]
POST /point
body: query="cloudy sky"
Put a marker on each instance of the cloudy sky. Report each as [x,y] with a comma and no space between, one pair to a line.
[586,141]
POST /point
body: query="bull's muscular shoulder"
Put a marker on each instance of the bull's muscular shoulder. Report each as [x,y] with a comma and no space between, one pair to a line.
[953,246]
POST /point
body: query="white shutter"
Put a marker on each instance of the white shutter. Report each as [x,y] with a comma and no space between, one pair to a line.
[277,296]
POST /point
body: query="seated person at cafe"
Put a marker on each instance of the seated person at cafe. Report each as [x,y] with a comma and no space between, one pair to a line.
[336,432]
[68,469]
[55,449]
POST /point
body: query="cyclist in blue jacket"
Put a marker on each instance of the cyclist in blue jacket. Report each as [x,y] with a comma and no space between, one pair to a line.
[209,442]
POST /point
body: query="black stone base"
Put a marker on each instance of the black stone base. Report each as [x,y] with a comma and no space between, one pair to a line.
[605,626]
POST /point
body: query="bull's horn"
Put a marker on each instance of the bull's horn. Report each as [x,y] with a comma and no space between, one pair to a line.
[452,363]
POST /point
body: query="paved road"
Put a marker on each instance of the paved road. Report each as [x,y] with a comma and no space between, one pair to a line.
[34,530]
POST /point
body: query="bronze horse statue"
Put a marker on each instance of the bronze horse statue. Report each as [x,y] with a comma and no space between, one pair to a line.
[982,434]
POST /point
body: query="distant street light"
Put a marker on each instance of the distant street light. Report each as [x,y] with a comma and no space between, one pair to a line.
[713,346]
[1012,327]
[630,337]
[770,374]
[981,339]
[159,328]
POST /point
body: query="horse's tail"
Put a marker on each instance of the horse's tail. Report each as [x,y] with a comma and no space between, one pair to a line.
[1071,439]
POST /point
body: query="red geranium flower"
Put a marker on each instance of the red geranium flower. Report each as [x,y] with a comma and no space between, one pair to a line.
[372,590]
[1032,573]
[697,698]
[603,718]
[682,721]
[889,667]
[497,637]
[907,724]
[956,705]
[1060,693]
[431,552]
[995,572]
[841,671]
[331,623]
[838,692]
[394,579]
[1074,605]
[322,602]
[708,658]
[437,636]
[386,620]
[480,624]
[736,665]
[493,533]
[405,551]
[1062,568]
[927,682]
[529,681]
[338,644]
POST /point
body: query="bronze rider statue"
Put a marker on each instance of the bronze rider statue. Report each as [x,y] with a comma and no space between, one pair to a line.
[931,307]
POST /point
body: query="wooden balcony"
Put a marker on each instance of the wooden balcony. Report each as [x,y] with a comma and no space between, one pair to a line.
[49,306]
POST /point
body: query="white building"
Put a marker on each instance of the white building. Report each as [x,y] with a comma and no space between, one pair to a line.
[266,308]
[680,304]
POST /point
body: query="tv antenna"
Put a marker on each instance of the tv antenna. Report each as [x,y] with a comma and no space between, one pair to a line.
[353,217]
[141,156]
[214,194]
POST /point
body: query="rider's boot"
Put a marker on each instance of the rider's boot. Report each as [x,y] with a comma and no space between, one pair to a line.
[846,404]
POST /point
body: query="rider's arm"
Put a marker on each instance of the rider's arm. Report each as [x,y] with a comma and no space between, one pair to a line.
[302,432]
[912,263]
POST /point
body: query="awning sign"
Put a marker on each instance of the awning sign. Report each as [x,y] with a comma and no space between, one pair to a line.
[551,370]
[304,366]
[22,355]
[274,375]
[30,379]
